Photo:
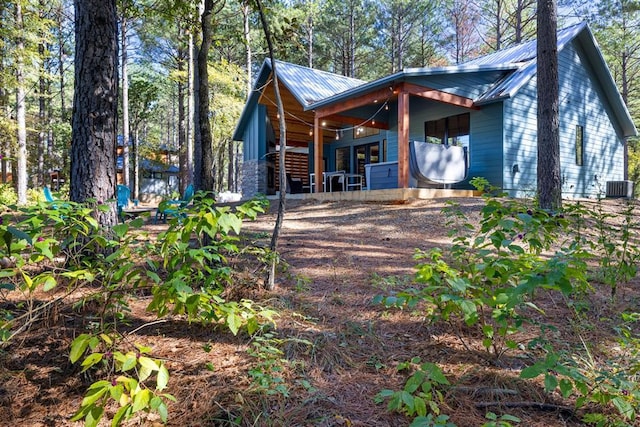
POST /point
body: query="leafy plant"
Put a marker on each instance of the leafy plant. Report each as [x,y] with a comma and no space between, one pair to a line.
[8,195]
[137,381]
[193,271]
[616,253]
[494,271]
[610,384]
[503,420]
[421,395]
[267,374]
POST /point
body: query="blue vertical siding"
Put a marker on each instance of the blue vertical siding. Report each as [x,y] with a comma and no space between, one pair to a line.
[521,142]
[580,103]
[254,146]
[485,144]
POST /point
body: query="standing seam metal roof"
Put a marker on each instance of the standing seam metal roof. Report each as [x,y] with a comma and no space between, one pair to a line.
[309,85]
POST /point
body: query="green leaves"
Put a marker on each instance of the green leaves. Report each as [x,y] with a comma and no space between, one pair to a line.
[421,394]
[133,391]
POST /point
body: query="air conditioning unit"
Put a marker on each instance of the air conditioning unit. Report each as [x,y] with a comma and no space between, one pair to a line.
[620,189]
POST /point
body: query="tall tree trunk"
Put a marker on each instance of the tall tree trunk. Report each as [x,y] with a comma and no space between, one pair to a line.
[95,106]
[247,40]
[197,137]
[190,113]
[136,162]
[310,24]
[282,199]
[125,101]
[21,156]
[182,126]
[208,179]
[42,104]
[549,179]
[63,105]
[230,173]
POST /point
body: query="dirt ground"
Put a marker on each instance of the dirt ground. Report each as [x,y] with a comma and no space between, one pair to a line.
[339,349]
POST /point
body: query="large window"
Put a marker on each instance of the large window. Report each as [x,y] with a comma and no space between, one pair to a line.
[452,130]
[579,145]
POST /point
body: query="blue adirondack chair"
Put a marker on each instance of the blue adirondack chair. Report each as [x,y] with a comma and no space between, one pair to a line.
[48,197]
[175,207]
[124,195]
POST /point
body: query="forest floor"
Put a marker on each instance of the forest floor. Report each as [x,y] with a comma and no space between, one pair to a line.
[339,348]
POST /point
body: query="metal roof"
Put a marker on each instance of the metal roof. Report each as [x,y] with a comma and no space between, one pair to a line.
[309,85]
[315,89]
[524,55]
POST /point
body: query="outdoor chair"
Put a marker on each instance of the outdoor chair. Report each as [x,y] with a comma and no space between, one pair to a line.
[174,207]
[294,185]
[124,196]
[51,200]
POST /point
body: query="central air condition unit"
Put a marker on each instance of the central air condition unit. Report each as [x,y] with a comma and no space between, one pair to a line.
[620,189]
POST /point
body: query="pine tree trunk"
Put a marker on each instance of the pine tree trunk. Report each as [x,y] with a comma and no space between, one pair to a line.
[549,180]
[21,106]
[185,174]
[125,105]
[95,106]
[207,174]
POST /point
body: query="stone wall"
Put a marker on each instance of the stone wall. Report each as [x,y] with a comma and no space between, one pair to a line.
[254,178]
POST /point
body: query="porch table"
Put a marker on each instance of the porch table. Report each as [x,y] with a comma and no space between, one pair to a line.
[348,181]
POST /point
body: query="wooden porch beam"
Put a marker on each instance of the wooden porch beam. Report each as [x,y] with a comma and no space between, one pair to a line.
[356,121]
[318,164]
[438,95]
[380,95]
[403,140]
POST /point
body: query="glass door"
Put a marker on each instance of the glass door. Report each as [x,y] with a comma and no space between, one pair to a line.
[365,154]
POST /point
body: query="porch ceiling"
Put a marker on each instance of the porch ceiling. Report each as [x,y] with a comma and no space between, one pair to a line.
[300,122]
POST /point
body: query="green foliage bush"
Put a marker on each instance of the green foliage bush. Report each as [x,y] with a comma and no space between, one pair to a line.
[186,270]
[488,280]
[8,195]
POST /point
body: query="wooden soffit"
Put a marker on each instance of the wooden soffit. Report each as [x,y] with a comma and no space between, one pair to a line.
[437,95]
[389,93]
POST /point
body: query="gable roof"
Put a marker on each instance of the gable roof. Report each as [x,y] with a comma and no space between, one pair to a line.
[508,70]
[307,85]
[526,54]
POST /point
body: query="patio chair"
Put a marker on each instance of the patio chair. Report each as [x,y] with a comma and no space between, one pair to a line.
[174,207]
[51,200]
[294,185]
[47,195]
[124,195]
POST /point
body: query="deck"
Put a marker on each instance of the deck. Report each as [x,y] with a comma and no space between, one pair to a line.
[394,194]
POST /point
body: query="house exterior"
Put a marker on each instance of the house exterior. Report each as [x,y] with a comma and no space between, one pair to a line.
[487,105]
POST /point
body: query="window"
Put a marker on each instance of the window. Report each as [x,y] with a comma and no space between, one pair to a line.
[452,130]
[342,159]
[361,132]
[579,145]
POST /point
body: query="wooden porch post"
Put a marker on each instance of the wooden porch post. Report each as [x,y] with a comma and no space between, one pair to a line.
[318,164]
[403,139]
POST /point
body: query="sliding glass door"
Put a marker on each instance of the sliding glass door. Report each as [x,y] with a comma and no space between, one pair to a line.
[365,154]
